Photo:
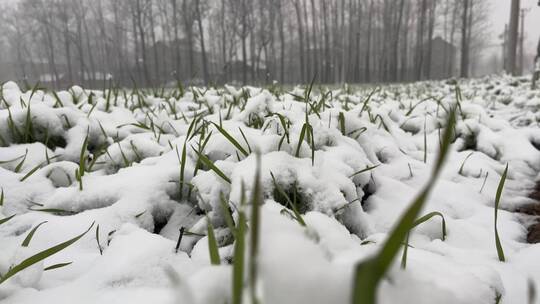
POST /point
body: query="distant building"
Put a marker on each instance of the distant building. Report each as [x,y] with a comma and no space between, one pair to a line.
[190,65]
[443,59]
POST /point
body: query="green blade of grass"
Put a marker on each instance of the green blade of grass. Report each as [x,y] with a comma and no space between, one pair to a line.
[341,120]
[182,160]
[40,256]
[416,223]
[256,201]
[500,251]
[207,162]
[4,220]
[19,166]
[239,254]
[430,215]
[97,239]
[27,175]
[245,139]
[231,139]
[463,163]
[212,243]
[82,163]
[28,124]
[30,235]
[56,266]
[227,214]
[363,170]
[296,215]
[53,211]
[369,273]
[301,140]
[10,160]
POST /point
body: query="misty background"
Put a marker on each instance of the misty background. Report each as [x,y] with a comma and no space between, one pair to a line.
[97,43]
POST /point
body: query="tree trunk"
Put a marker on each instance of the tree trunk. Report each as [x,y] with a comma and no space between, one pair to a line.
[281,42]
[157,74]
[177,59]
[464,41]
[419,58]
[301,40]
[395,47]
[316,61]
[431,29]
[368,47]
[203,49]
[513,37]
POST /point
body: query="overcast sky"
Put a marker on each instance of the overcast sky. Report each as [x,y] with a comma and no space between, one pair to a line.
[500,15]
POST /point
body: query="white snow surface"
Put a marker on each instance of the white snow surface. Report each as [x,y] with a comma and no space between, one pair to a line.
[133,191]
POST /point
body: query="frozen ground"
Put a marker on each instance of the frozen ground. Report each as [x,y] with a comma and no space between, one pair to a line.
[140,186]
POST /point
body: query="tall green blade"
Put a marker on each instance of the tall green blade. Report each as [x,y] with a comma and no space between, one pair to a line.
[500,251]
[369,273]
[238,258]
[212,243]
[41,256]
[256,201]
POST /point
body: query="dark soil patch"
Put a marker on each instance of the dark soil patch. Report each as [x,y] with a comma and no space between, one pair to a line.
[533,231]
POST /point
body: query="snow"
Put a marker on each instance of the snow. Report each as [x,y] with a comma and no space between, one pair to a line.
[132,190]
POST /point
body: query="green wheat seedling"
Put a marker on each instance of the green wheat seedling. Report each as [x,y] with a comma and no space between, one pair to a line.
[13,159]
[370,272]
[231,139]
[227,214]
[256,201]
[97,241]
[484,182]
[460,172]
[182,162]
[203,141]
[40,256]
[368,168]
[30,235]
[79,173]
[55,211]
[500,251]
[285,124]
[126,161]
[56,266]
[307,131]
[19,166]
[292,203]
[419,221]
[5,220]
[14,130]
[239,251]
[182,158]
[208,163]
[368,98]
[212,243]
[35,88]
[341,121]
[245,139]
[28,126]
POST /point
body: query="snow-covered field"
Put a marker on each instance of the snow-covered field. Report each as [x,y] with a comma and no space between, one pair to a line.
[334,183]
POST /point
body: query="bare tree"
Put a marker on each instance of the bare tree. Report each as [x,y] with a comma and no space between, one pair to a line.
[513,37]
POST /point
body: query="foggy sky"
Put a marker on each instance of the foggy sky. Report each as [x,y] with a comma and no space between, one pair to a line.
[500,15]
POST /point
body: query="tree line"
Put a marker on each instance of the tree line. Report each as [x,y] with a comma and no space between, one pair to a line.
[159,42]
